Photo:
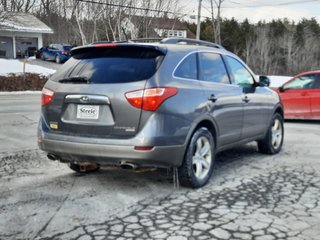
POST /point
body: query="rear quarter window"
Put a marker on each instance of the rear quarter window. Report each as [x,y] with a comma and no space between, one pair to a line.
[187,68]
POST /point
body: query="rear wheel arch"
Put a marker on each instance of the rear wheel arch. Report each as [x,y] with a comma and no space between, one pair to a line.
[210,126]
[198,162]
[205,123]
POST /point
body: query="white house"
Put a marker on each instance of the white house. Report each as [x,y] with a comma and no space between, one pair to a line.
[20,32]
[156,27]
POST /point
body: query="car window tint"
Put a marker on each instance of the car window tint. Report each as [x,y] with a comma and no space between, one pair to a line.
[67,48]
[212,68]
[240,74]
[111,65]
[188,67]
[302,82]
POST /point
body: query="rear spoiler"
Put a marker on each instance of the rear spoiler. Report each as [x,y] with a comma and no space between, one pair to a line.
[94,47]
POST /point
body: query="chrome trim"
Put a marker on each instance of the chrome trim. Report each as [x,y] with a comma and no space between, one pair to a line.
[87,99]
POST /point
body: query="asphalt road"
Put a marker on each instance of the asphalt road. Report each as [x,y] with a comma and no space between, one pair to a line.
[250,196]
[19,114]
[47,64]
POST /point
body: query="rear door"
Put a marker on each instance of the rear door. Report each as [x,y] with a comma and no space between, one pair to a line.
[295,96]
[90,91]
[223,99]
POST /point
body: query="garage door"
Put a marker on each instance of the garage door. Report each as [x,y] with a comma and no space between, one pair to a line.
[6,47]
[25,46]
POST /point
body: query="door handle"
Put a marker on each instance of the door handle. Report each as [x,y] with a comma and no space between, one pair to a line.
[246,99]
[212,98]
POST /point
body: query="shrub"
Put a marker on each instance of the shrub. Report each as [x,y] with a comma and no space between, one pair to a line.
[16,82]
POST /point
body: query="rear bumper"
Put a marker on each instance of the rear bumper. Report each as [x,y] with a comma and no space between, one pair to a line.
[101,151]
[64,57]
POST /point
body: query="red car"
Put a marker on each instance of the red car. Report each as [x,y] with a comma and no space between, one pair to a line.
[301,96]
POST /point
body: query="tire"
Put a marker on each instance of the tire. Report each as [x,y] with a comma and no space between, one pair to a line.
[42,57]
[58,59]
[197,167]
[272,143]
[76,167]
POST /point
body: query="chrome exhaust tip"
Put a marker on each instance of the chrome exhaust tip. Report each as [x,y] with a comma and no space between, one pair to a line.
[52,157]
[128,166]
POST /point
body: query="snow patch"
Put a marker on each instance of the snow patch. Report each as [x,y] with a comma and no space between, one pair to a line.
[21,93]
[8,66]
[24,28]
[277,81]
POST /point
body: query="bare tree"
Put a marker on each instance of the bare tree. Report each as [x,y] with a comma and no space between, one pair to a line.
[79,10]
[216,22]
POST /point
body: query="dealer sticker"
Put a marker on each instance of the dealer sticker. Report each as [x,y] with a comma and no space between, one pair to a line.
[87,111]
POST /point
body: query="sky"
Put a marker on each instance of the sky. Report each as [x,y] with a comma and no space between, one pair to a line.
[256,10]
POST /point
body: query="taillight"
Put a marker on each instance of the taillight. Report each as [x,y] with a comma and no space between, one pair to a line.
[151,98]
[47,96]
[64,52]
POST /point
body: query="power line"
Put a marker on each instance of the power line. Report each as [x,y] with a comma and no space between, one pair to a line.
[126,6]
[239,5]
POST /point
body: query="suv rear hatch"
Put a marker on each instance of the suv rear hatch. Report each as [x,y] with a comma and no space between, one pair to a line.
[89,92]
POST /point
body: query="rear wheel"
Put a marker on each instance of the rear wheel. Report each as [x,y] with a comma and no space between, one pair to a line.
[42,57]
[58,59]
[272,143]
[199,158]
[83,168]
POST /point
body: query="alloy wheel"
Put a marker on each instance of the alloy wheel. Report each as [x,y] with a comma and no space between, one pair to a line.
[276,131]
[202,158]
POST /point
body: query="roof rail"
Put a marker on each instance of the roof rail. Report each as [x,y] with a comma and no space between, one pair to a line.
[145,40]
[190,41]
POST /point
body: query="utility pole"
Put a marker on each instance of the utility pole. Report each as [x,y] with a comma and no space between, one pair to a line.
[199,21]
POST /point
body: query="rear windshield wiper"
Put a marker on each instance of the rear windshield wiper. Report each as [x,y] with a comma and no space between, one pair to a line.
[75,80]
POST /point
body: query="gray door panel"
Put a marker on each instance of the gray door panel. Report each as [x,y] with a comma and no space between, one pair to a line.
[255,112]
[227,110]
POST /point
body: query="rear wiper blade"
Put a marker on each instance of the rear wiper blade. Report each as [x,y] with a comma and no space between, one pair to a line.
[75,80]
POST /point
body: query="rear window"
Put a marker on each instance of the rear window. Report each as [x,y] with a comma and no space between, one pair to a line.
[67,48]
[111,65]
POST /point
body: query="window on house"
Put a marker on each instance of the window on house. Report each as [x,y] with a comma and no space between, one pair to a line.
[175,33]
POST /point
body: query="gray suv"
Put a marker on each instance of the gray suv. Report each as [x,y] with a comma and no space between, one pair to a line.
[171,104]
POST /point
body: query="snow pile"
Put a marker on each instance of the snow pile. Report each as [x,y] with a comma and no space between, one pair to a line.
[277,81]
[8,66]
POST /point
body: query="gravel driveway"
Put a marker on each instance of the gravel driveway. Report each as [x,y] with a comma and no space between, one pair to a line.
[250,196]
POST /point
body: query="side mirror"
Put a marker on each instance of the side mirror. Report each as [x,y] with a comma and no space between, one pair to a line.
[281,89]
[264,81]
